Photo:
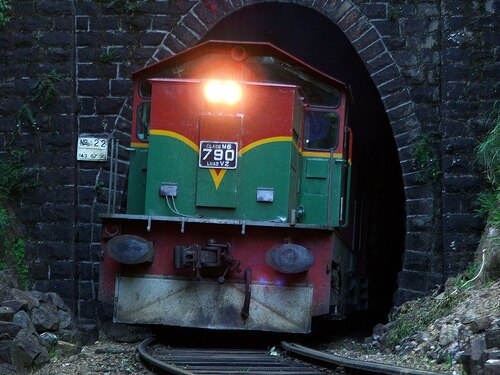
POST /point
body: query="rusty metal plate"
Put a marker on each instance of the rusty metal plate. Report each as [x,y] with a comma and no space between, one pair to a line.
[201,304]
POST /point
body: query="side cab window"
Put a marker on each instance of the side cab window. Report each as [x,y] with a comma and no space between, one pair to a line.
[143,110]
[321,129]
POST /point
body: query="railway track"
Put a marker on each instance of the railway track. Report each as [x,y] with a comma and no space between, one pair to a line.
[294,359]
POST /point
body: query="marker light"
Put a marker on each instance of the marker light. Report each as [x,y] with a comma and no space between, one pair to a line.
[224,92]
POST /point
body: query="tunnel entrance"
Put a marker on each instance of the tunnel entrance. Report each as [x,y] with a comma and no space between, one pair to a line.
[378,202]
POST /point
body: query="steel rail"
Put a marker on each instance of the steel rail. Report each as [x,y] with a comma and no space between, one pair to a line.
[367,367]
[142,350]
[196,361]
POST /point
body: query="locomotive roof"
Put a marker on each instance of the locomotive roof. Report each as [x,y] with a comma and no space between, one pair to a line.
[255,61]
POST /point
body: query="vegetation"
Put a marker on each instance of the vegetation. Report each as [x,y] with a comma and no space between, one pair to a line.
[13,179]
[130,7]
[43,94]
[415,316]
[393,14]
[4,9]
[426,160]
[488,154]
[108,57]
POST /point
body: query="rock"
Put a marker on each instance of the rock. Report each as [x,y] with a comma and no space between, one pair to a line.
[15,305]
[492,337]
[480,324]
[492,367]
[448,334]
[88,334]
[65,319]
[477,347]
[27,350]
[49,339]
[56,300]
[44,318]
[66,349]
[9,330]
[5,352]
[6,314]
[70,335]
[28,298]
[22,318]
[7,369]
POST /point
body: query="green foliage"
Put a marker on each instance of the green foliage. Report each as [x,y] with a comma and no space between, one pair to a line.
[42,94]
[426,160]
[4,8]
[488,154]
[13,175]
[24,115]
[393,14]
[13,179]
[45,91]
[489,202]
[12,249]
[108,57]
[130,7]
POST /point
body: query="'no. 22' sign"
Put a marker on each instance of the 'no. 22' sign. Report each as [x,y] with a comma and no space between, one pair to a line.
[92,148]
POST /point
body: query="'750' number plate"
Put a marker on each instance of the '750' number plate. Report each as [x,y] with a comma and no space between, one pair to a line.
[218,155]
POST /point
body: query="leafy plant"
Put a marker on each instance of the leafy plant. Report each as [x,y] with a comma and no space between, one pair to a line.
[108,57]
[12,249]
[129,6]
[4,8]
[393,14]
[488,154]
[24,115]
[426,160]
[45,91]
[42,94]
[13,176]
[13,179]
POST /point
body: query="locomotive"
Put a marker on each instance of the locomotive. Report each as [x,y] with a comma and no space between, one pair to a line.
[238,187]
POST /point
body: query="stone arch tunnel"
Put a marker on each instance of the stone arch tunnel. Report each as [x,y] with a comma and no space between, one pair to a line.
[418,71]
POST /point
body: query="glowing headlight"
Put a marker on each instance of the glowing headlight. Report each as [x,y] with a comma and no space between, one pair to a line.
[224,92]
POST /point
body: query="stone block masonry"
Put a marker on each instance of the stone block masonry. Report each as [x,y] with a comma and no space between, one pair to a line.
[435,64]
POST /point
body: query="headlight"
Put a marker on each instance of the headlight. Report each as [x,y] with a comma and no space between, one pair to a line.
[129,249]
[290,258]
[223,92]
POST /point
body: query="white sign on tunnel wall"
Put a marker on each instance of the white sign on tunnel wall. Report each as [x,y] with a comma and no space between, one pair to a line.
[92,148]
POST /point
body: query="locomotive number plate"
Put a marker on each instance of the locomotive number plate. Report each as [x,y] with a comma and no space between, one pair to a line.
[218,155]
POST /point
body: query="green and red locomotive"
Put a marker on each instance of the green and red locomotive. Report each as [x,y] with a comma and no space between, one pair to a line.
[239,179]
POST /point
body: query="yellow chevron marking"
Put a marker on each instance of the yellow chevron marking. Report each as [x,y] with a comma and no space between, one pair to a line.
[262,142]
[217,177]
[175,135]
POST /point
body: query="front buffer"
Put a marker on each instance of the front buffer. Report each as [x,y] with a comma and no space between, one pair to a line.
[215,274]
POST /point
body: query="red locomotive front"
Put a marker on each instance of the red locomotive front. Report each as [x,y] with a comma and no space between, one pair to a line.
[238,178]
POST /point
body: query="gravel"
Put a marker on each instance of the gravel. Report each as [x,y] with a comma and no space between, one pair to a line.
[100,358]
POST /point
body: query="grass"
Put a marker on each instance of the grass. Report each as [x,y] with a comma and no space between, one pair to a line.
[415,316]
[488,155]
[13,179]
